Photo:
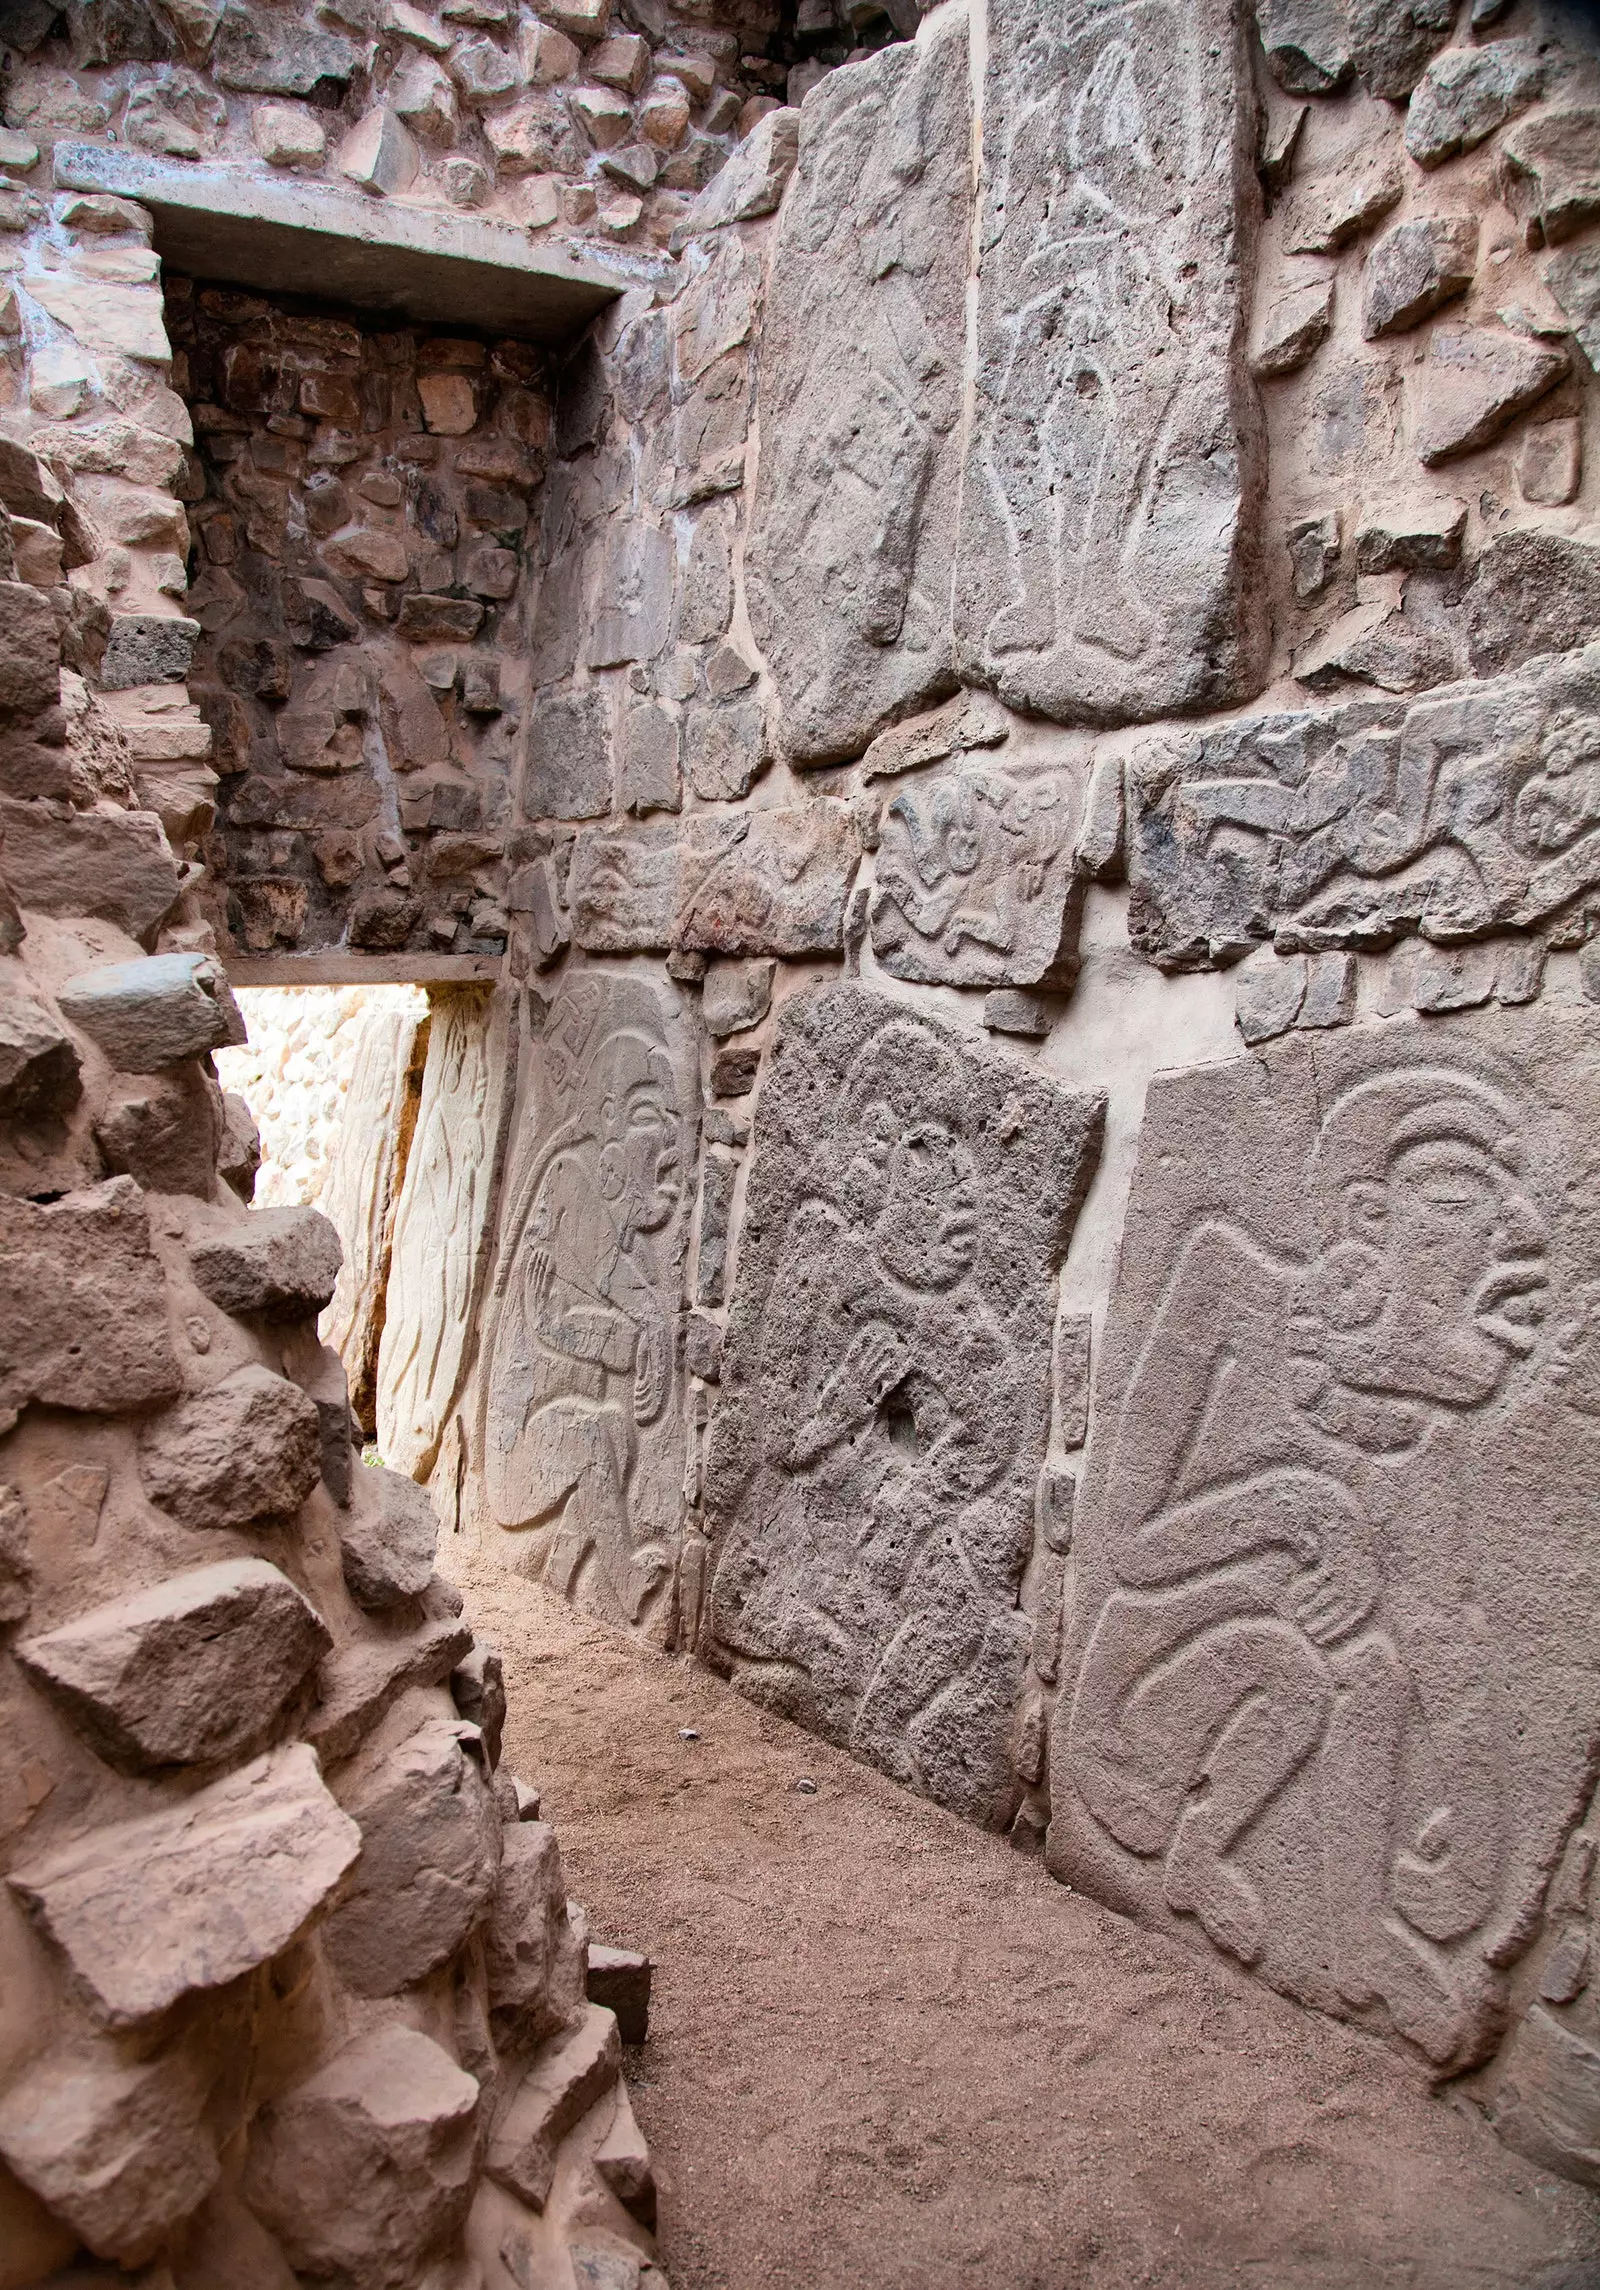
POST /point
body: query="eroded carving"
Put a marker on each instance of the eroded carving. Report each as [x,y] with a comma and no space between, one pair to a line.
[853,530]
[582,1443]
[975,885]
[885,1387]
[1336,1694]
[1116,463]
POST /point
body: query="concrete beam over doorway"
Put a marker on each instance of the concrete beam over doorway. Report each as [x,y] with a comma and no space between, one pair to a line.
[341,966]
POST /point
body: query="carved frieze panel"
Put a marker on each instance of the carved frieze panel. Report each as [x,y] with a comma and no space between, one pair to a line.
[443,1224]
[767,882]
[975,882]
[1335,1688]
[1475,809]
[853,528]
[582,1435]
[1116,465]
[886,1387]
[360,1197]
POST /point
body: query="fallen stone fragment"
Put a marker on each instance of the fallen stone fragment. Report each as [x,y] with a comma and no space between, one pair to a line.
[619,1978]
[201,1668]
[115,2148]
[388,1540]
[39,1062]
[1475,383]
[363,1680]
[533,1958]
[1414,269]
[247,1451]
[180,1902]
[622,2157]
[559,2088]
[282,1263]
[430,1853]
[83,1303]
[1425,535]
[1553,173]
[150,1014]
[1466,93]
[365,2171]
[1295,327]
[478,1689]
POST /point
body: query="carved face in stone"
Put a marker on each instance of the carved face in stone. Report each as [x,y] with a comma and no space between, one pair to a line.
[637,1129]
[927,1231]
[1435,1277]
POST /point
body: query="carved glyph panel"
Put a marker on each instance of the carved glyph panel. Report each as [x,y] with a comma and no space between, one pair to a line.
[975,885]
[1336,1680]
[885,1387]
[853,528]
[1116,464]
[582,1417]
[442,1226]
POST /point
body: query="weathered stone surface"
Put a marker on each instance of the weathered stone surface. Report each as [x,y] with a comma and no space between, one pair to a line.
[116,865]
[83,1304]
[635,602]
[717,1180]
[365,2172]
[247,1450]
[478,1689]
[1295,327]
[1392,41]
[1554,172]
[359,1197]
[282,1263]
[1346,1575]
[1474,384]
[163,1132]
[1414,269]
[770,882]
[30,672]
[975,882]
[567,762]
[1307,43]
[1417,536]
[581,1439]
[430,1850]
[115,2148]
[1466,93]
[199,1669]
[263,52]
[853,527]
[366,1678]
[154,1013]
[442,1228]
[971,720]
[39,1062]
[1531,593]
[753,180]
[1333,209]
[1547,2103]
[560,2087]
[1116,468]
[736,996]
[884,1410]
[147,648]
[180,1902]
[1474,809]
[532,1953]
[619,1978]
[1550,464]
[387,1539]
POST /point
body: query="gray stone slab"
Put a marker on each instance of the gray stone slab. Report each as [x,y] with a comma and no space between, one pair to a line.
[886,1387]
[581,1390]
[1333,1699]
[437,265]
[1109,551]
[853,527]
[1474,809]
[975,881]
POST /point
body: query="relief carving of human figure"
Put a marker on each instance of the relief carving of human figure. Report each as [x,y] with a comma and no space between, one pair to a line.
[1094,358]
[582,1343]
[1298,1586]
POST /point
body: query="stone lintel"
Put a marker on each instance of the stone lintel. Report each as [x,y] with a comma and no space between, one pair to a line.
[435,266]
[342,967]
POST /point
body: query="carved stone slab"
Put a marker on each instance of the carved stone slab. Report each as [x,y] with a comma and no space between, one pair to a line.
[1474,809]
[975,885]
[1116,466]
[359,1200]
[623,888]
[853,528]
[767,882]
[886,1387]
[442,1226]
[582,1432]
[1335,1683]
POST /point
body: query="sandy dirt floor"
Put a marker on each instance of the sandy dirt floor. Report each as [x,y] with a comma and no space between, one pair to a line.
[889,2053]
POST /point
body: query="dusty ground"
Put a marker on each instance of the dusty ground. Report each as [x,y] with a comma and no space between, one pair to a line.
[888,2053]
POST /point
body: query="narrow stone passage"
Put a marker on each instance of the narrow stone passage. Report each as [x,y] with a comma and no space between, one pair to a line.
[888,2051]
